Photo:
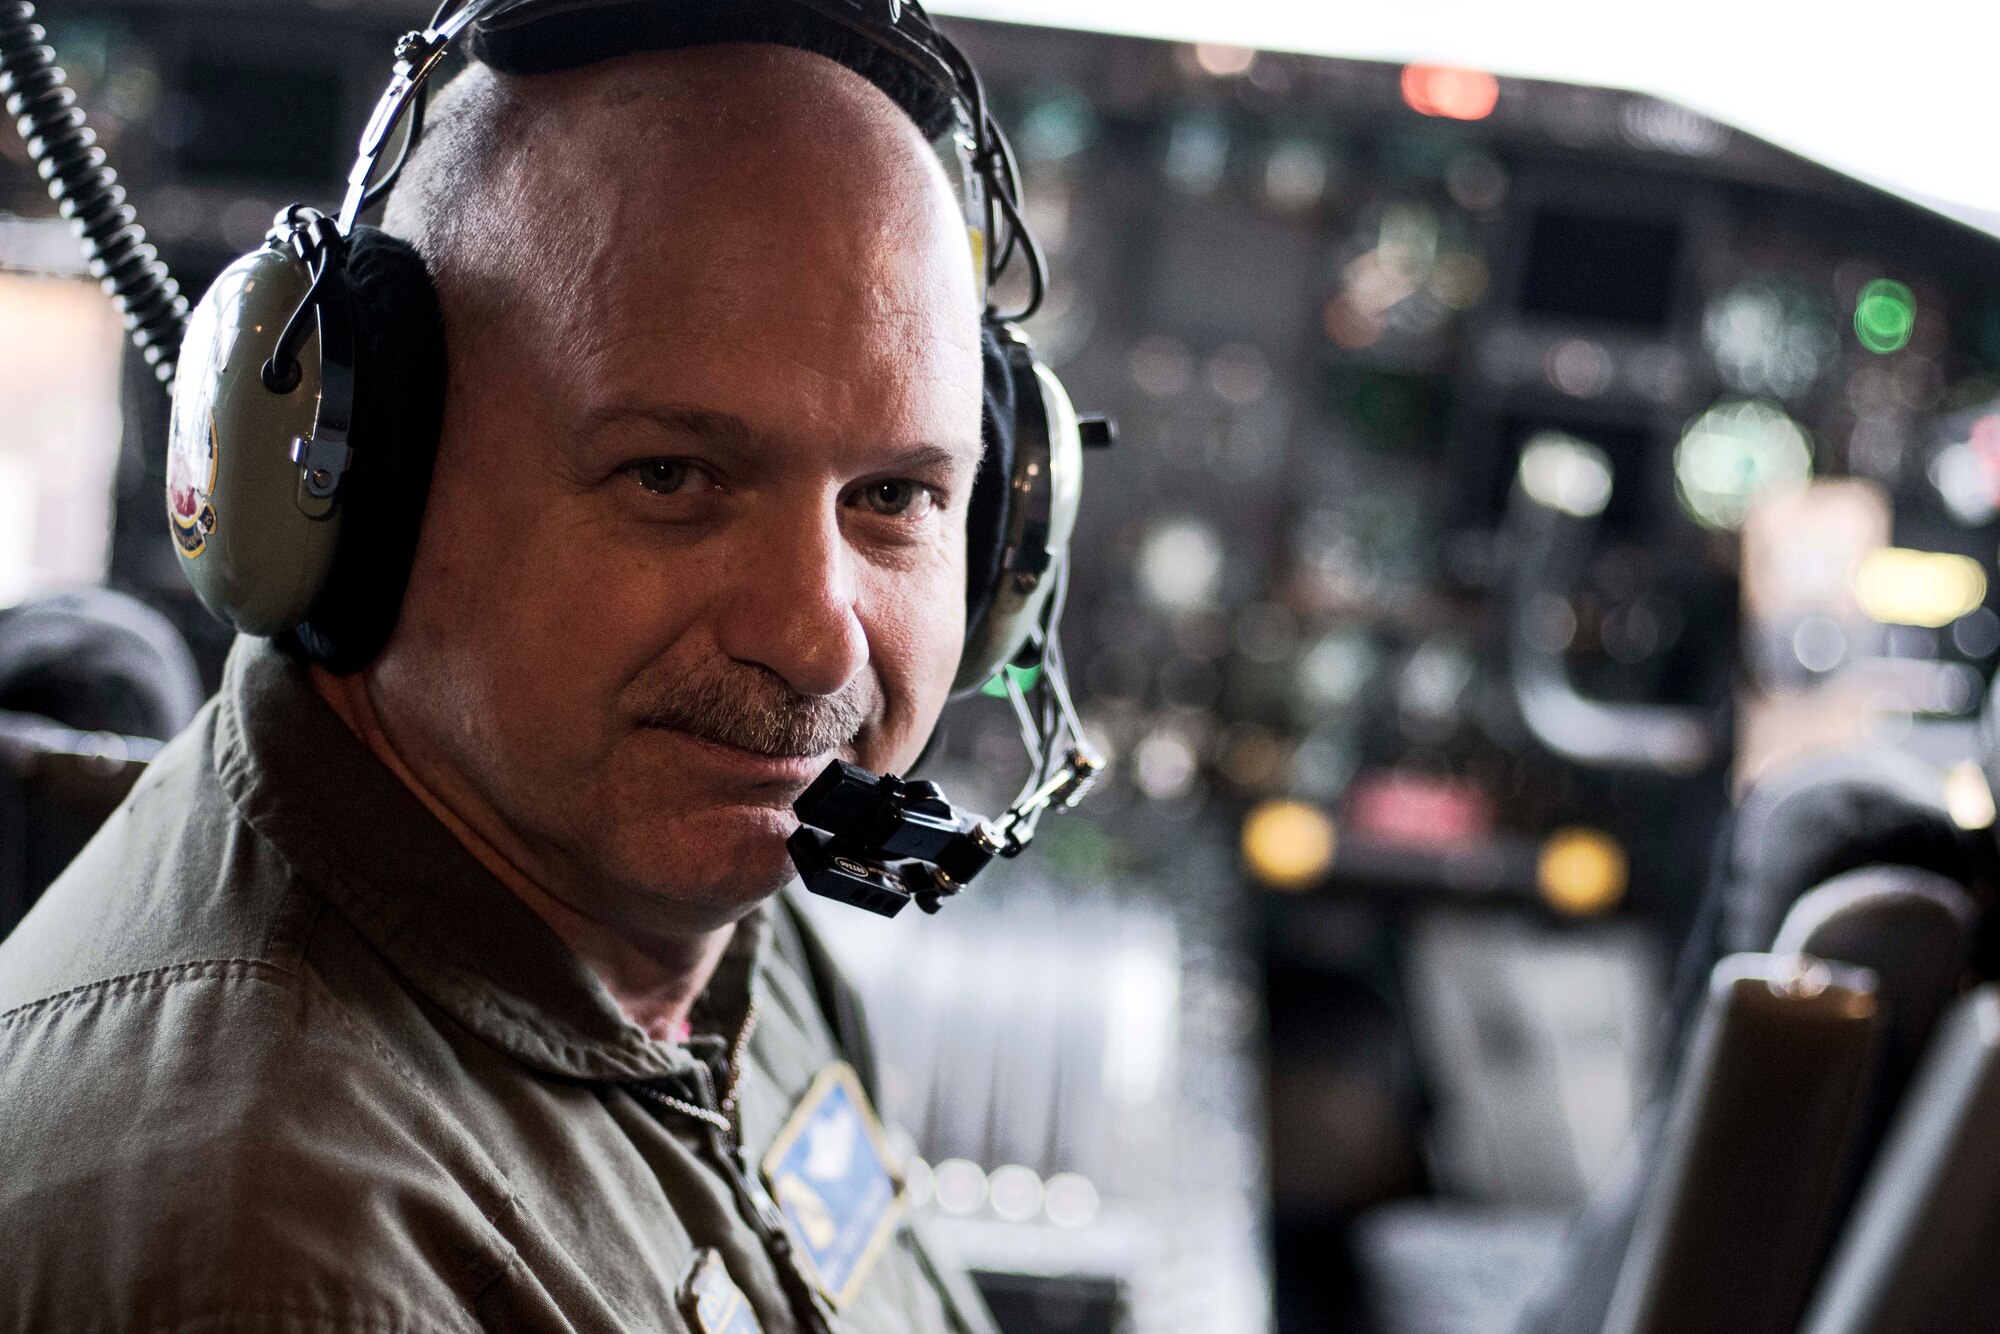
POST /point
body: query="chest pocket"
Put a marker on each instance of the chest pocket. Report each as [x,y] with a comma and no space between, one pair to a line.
[795,1060]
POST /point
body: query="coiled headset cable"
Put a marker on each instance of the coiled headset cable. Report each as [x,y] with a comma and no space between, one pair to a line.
[86,190]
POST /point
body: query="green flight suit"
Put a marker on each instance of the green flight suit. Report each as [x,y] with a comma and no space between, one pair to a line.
[278,1054]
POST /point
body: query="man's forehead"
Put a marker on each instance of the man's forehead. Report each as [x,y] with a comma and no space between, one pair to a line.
[676,186]
[669,224]
[750,129]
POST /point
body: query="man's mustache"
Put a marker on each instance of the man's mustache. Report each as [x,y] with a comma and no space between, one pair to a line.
[751,708]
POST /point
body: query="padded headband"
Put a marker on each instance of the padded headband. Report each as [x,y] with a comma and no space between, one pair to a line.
[542,36]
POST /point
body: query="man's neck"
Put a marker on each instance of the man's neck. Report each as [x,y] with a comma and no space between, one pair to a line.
[655,985]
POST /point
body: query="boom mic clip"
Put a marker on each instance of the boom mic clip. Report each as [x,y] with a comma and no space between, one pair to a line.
[877,841]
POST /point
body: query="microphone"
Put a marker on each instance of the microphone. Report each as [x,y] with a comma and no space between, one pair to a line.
[878,841]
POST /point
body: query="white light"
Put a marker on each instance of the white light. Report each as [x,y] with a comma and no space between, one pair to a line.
[1163,765]
[1143,1021]
[1180,564]
[1295,174]
[1966,473]
[1672,129]
[1735,455]
[1770,338]
[1335,670]
[1015,1192]
[1579,367]
[1967,798]
[60,345]
[959,1186]
[20,489]
[1819,644]
[1071,1201]
[1562,473]
[1224,61]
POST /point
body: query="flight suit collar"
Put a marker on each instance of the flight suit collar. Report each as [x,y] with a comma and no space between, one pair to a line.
[361,838]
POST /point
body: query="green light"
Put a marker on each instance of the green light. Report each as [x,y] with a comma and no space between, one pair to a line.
[1024,677]
[1884,314]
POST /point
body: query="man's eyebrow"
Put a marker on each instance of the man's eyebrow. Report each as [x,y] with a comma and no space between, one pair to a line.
[730,431]
[723,428]
[930,458]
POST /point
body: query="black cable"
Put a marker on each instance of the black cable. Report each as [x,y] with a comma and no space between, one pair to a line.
[1000,173]
[412,131]
[86,190]
[282,372]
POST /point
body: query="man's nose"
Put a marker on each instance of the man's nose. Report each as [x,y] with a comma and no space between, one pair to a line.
[794,607]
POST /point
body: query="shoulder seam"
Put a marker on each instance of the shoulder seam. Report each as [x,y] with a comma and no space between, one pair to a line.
[152,979]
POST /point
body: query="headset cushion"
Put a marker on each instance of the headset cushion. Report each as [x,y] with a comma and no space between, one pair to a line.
[399,380]
[986,513]
[543,36]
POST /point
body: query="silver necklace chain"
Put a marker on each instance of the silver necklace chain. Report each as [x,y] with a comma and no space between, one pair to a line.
[685,1108]
[724,1120]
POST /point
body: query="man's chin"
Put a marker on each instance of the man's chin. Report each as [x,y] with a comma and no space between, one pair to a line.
[720,860]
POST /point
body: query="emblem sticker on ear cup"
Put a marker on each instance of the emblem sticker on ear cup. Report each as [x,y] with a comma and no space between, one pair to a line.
[191,462]
[194,446]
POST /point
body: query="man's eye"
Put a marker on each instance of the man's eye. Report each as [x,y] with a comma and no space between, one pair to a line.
[901,499]
[663,477]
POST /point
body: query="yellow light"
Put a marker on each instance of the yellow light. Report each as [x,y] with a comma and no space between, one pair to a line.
[1288,844]
[1897,586]
[1967,798]
[1581,872]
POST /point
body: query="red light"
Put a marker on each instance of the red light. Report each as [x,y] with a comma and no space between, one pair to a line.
[1456,94]
[1412,810]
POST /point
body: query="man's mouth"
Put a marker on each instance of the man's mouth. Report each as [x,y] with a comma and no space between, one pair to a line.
[755,768]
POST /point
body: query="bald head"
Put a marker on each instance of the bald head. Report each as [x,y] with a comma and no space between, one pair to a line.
[523,189]
[697,523]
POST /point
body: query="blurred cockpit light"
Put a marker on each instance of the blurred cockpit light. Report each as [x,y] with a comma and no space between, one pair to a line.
[1771,337]
[59,359]
[1180,564]
[1736,454]
[1897,586]
[1563,473]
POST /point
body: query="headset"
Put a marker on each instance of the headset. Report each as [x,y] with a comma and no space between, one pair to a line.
[310,387]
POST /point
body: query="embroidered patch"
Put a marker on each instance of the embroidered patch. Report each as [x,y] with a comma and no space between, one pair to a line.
[712,1302]
[829,1172]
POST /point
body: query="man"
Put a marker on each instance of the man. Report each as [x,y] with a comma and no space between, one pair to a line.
[449,994]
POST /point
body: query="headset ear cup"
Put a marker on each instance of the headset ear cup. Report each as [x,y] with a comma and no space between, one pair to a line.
[987,512]
[1042,489]
[399,380]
